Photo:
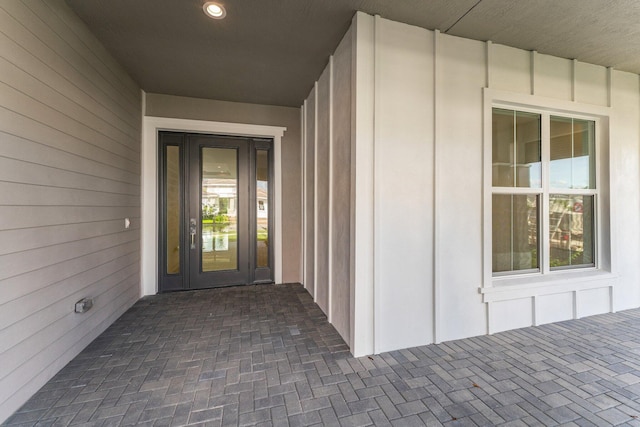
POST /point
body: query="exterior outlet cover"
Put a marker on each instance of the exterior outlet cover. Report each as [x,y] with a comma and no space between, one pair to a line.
[83,305]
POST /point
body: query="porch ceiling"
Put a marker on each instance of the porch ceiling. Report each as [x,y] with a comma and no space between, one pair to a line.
[271,51]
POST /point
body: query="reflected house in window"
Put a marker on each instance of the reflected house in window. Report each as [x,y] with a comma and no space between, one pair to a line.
[262,208]
[523,205]
[219,207]
[571,230]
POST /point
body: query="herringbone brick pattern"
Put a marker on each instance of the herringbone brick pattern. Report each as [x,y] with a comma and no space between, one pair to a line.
[265,355]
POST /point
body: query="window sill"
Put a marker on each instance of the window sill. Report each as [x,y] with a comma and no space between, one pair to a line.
[530,285]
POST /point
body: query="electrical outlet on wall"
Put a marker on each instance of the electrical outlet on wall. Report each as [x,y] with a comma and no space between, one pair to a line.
[83,305]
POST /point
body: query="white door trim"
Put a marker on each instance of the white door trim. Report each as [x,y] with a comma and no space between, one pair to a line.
[149,197]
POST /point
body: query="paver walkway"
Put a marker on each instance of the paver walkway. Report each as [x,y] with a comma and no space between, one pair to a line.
[265,355]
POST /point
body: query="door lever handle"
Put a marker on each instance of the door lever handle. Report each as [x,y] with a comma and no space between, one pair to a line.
[193,229]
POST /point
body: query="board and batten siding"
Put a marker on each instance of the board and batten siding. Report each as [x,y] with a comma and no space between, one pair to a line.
[420,267]
[326,140]
[70,123]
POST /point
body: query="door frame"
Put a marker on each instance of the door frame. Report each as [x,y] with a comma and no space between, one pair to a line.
[149,185]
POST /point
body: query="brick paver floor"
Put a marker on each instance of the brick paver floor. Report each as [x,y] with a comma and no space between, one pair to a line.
[265,355]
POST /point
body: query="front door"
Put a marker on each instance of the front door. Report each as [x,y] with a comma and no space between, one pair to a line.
[215,222]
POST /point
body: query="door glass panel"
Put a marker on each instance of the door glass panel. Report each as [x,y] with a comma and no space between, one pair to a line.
[172,213]
[262,213]
[219,209]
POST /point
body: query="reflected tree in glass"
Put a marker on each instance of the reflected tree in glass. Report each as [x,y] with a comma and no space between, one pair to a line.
[571,231]
[219,195]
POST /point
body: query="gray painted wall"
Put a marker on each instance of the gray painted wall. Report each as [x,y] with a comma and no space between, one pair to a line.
[70,122]
[233,112]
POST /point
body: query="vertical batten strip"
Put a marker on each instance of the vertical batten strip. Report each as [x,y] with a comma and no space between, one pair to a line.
[377,57]
[303,169]
[611,299]
[315,194]
[436,169]
[609,86]
[576,305]
[534,57]
[488,46]
[331,195]
[535,316]
[574,78]
[490,326]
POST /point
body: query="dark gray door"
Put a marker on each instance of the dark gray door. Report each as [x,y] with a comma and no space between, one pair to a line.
[215,227]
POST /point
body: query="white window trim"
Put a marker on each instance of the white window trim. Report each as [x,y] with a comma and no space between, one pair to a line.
[499,288]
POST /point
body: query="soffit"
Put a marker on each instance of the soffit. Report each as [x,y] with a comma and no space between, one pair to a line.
[271,51]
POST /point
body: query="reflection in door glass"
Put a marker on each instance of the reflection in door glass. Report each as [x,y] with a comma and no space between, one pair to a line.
[172,213]
[262,213]
[219,209]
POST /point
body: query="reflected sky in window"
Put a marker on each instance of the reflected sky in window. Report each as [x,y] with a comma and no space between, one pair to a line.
[569,173]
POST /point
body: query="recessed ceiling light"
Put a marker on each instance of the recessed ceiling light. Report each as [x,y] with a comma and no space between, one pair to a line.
[214,10]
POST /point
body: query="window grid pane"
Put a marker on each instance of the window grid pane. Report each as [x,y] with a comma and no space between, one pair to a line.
[516,149]
[572,153]
[571,230]
[528,164]
[515,232]
[503,136]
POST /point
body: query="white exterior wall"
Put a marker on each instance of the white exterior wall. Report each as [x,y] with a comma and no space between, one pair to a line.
[326,120]
[420,222]
[403,186]
[70,122]
[459,79]
[340,186]
[625,188]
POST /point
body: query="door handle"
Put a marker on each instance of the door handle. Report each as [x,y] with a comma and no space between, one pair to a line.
[193,229]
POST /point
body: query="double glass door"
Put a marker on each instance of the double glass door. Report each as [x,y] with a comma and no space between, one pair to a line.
[215,222]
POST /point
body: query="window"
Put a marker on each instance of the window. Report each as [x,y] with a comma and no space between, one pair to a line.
[543,192]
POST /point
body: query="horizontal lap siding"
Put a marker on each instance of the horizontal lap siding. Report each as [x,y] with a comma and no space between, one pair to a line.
[69,175]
